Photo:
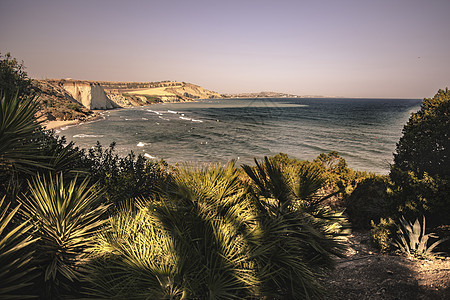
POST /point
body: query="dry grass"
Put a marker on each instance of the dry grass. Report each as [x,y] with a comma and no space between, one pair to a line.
[159,91]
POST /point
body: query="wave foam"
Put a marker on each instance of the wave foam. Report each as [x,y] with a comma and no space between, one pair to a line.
[82,135]
[149,156]
[155,112]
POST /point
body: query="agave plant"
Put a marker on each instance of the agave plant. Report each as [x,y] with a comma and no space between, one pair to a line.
[412,239]
[65,218]
[188,245]
[297,236]
[16,254]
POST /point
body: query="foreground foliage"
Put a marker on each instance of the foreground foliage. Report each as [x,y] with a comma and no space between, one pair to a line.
[190,243]
[207,237]
[65,218]
[16,254]
[421,173]
[412,239]
[195,232]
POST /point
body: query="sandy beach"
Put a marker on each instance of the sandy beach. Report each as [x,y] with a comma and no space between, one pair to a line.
[49,125]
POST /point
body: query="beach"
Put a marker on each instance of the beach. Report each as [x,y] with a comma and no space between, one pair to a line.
[49,125]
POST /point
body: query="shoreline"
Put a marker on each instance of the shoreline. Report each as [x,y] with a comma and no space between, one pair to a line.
[53,125]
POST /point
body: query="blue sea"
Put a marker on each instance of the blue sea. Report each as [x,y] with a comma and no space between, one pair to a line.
[363,131]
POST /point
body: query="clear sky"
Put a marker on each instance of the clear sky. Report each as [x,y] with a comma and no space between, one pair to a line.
[349,48]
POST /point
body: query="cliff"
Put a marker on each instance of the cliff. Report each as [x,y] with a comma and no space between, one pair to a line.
[90,94]
[68,99]
[58,104]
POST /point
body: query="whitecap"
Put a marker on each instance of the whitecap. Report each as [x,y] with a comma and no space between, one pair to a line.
[149,156]
[184,118]
[144,119]
[198,121]
[172,112]
[164,118]
[153,111]
[82,135]
[140,144]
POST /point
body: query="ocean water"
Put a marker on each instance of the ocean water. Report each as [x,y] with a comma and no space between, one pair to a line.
[363,131]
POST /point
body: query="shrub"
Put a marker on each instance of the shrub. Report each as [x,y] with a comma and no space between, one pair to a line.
[421,173]
[124,178]
[369,201]
[65,218]
[13,78]
[16,255]
[297,233]
[382,234]
[189,244]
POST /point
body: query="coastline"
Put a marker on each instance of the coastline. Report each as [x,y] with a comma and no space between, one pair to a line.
[52,125]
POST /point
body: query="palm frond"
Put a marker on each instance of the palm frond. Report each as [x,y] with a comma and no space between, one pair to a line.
[65,217]
[18,127]
[16,268]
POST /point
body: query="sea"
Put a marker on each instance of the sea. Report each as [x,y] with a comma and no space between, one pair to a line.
[363,131]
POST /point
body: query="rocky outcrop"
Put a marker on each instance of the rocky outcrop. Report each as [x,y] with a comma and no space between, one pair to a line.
[108,94]
[57,104]
[90,95]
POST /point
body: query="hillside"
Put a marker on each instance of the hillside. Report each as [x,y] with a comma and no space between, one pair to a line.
[68,99]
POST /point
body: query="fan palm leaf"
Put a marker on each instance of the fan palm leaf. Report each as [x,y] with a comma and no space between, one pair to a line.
[16,270]
[18,127]
[297,235]
[190,244]
[65,217]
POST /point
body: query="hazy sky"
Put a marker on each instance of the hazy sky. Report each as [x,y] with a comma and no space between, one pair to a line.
[350,48]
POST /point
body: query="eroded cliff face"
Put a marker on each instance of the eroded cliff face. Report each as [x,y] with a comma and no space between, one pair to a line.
[90,95]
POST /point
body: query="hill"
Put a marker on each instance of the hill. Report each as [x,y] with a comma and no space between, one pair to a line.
[68,99]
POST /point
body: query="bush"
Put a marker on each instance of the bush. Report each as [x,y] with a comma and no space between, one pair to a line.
[369,201]
[124,178]
[64,218]
[421,173]
[382,234]
[13,78]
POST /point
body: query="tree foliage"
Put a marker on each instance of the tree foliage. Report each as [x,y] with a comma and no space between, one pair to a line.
[13,78]
[421,172]
[425,144]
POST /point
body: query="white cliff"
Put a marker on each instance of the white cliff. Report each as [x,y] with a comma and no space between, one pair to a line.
[90,95]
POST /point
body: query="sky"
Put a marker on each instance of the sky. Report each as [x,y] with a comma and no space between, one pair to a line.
[345,48]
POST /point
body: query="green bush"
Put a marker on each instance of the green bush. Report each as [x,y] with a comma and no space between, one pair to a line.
[64,218]
[369,201]
[124,178]
[382,234]
[421,173]
[209,235]
[190,243]
[13,78]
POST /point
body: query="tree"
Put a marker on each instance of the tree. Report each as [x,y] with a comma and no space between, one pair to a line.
[421,172]
[13,78]
[425,144]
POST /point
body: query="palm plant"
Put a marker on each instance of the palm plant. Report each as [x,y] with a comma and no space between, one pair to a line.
[297,235]
[65,218]
[189,244]
[18,126]
[16,253]
[412,239]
